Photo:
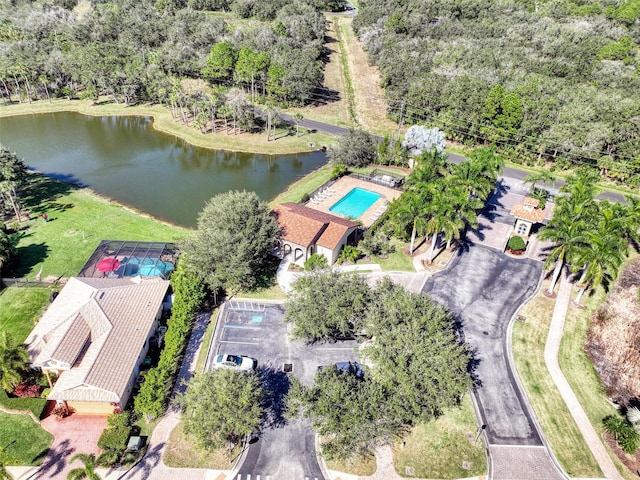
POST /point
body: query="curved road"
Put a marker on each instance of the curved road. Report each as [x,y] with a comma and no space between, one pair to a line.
[514,174]
[483,288]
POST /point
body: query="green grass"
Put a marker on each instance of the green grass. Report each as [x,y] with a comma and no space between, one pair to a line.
[206,340]
[528,342]
[397,261]
[308,184]
[580,372]
[26,443]
[20,309]
[78,221]
[34,405]
[436,449]
[361,466]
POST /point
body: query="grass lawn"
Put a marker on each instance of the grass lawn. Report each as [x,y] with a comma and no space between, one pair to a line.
[26,443]
[308,184]
[437,449]
[396,261]
[361,466]
[528,342]
[20,309]
[162,121]
[78,221]
[579,370]
[182,452]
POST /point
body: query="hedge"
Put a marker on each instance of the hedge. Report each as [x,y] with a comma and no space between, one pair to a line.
[188,295]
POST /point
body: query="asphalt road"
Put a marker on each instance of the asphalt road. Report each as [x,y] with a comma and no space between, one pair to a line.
[508,172]
[482,288]
[284,449]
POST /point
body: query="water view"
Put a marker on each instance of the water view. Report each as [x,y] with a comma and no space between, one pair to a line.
[125,159]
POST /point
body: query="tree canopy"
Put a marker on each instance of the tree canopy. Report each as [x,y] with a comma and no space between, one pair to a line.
[327,305]
[232,244]
[222,406]
[544,81]
[415,368]
[356,149]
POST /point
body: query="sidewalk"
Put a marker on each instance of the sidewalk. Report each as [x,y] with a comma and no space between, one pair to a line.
[551,350]
[152,467]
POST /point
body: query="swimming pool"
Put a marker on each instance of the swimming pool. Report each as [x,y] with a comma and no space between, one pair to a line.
[355,203]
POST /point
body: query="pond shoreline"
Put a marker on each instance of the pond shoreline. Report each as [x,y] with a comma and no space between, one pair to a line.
[112,201]
[162,121]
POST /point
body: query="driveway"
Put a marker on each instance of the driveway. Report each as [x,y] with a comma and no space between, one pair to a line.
[72,435]
[483,288]
[285,448]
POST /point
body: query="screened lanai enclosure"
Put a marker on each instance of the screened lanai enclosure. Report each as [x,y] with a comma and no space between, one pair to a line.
[117,259]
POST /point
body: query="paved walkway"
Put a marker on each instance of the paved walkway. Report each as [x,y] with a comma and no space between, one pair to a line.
[152,467]
[551,359]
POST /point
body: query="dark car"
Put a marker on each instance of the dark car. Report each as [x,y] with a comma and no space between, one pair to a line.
[353,368]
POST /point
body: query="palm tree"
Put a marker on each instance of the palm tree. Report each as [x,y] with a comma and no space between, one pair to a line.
[298,117]
[568,235]
[13,361]
[603,254]
[407,210]
[89,469]
[471,176]
[544,176]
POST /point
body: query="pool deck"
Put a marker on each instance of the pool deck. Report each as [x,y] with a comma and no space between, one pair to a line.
[344,185]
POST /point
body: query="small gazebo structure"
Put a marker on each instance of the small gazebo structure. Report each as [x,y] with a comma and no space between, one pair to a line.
[527,214]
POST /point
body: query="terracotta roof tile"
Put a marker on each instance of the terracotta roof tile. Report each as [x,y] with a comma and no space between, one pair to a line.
[305,226]
[535,215]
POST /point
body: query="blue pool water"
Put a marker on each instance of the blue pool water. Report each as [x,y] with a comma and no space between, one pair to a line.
[355,203]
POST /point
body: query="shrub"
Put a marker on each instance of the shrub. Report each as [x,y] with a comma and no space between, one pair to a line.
[114,437]
[623,432]
[189,294]
[24,390]
[349,254]
[315,262]
[305,198]
[376,243]
[516,243]
[61,411]
[338,171]
[108,459]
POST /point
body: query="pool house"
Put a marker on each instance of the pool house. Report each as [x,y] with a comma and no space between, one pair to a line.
[305,231]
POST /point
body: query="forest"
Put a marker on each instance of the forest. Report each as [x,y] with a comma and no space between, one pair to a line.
[546,81]
[168,51]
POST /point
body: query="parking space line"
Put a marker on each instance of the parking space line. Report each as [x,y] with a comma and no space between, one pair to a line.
[246,343]
[335,348]
[250,327]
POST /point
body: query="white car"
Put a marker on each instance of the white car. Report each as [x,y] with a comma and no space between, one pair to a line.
[236,362]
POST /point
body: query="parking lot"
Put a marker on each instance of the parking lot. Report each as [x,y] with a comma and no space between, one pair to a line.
[284,449]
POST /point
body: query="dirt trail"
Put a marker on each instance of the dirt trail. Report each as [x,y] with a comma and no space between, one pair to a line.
[370,105]
[351,94]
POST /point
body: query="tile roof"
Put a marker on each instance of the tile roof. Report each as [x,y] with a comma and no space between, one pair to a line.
[118,314]
[528,212]
[305,226]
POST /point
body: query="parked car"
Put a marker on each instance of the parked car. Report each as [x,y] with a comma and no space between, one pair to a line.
[353,368]
[236,362]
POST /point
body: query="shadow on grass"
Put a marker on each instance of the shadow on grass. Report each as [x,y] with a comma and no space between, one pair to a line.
[41,192]
[265,277]
[26,258]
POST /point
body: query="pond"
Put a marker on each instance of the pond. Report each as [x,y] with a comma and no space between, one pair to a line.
[125,159]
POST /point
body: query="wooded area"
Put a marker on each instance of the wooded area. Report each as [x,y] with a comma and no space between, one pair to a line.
[162,51]
[553,80]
